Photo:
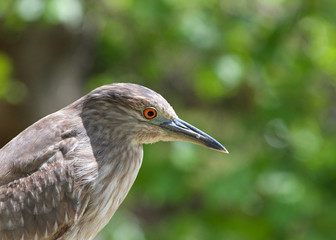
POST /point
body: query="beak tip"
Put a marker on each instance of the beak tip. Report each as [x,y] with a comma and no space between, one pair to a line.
[224,150]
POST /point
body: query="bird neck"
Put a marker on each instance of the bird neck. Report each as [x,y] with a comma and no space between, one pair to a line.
[117,170]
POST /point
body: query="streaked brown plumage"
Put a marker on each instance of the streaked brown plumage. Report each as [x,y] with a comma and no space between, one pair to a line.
[65,176]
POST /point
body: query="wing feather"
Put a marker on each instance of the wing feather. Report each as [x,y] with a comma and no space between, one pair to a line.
[38,196]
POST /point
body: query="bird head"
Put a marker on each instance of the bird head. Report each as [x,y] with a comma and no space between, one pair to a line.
[143,115]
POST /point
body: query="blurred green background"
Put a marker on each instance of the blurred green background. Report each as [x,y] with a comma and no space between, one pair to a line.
[258,75]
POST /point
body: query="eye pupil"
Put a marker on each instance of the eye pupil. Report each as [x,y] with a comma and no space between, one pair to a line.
[150,113]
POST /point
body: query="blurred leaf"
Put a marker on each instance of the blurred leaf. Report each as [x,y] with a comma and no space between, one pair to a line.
[5,74]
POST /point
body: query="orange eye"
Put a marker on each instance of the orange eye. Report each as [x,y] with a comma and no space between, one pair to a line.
[149,113]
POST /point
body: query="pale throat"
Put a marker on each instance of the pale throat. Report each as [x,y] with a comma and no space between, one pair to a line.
[115,178]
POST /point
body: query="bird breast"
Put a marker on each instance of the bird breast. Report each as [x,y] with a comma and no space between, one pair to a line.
[116,175]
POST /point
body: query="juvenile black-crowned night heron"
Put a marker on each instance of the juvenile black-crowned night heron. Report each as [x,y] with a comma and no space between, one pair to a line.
[66,175]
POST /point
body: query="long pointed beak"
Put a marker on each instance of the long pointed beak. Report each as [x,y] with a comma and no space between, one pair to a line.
[183,131]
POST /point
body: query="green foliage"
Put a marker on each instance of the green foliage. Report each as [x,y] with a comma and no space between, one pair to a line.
[5,71]
[257,75]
